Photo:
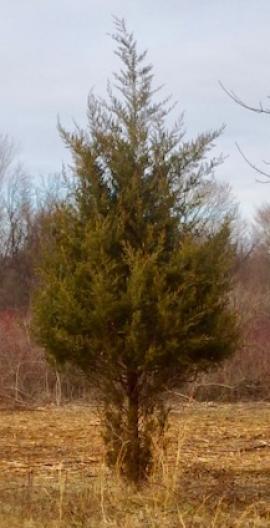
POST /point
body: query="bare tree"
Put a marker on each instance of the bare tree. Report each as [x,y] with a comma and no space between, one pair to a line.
[16,219]
[7,151]
[258,109]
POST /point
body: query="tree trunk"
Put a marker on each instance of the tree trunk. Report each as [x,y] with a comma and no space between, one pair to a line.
[133,458]
[58,388]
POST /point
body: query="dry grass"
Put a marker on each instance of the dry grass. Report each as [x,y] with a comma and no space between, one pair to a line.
[216,472]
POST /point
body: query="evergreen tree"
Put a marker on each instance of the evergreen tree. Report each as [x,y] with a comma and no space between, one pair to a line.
[132,287]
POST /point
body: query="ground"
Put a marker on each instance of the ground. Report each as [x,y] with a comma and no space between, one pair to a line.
[216,472]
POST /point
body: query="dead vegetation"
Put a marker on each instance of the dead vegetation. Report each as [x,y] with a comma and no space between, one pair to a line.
[215,472]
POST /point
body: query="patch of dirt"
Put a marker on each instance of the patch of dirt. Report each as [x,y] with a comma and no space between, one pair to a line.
[224,450]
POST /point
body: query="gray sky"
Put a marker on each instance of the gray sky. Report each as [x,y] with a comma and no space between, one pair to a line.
[52,52]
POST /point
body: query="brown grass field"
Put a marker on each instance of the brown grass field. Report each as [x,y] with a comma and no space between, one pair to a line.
[216,472]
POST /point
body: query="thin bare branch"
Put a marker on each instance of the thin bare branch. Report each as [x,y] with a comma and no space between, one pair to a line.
[253,166]
[260,109]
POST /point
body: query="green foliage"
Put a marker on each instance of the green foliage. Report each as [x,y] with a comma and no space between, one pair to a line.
[134,288]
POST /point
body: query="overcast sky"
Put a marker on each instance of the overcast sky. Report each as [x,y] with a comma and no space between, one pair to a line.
[52,52]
